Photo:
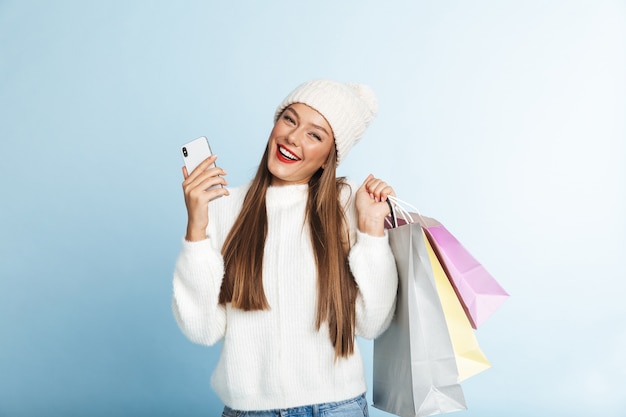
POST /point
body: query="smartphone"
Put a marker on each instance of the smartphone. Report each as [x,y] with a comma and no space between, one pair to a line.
[195,152]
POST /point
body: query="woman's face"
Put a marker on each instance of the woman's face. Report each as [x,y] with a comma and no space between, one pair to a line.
[299,145]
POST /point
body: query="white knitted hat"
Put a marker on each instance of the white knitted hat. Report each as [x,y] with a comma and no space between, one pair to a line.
[348,108]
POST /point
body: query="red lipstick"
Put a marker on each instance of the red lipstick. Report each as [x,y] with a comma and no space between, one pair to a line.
[283,157]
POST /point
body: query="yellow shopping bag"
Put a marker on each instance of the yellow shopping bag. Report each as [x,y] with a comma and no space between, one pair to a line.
[470,359]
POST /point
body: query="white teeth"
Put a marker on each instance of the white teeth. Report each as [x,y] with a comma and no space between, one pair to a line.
[284,152]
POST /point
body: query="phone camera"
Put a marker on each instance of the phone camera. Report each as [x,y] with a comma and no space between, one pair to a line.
[185,152]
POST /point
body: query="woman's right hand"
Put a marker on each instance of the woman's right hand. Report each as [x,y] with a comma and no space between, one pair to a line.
[196,188]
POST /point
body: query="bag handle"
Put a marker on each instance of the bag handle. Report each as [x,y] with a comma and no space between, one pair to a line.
[399,206]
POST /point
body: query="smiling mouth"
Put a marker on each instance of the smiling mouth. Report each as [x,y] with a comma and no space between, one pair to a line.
[286,156]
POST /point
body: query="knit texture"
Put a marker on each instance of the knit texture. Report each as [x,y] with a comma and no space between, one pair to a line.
[277,358]
[348,108]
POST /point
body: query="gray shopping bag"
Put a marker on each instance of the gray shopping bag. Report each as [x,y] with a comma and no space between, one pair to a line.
[415,372]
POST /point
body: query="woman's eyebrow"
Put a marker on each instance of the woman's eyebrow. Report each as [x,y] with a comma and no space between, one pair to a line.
[320,128]
[291,109]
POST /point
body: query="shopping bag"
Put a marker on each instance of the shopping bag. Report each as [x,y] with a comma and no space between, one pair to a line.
[415,372]
[479,292]
[470,359]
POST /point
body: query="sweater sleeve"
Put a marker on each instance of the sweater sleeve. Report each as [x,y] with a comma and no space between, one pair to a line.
[197,280]
[374,269]
[199,272]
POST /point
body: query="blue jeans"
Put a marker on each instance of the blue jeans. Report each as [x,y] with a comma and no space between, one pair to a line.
[354,407]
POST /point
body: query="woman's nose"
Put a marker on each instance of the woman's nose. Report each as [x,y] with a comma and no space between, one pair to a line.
[292,137]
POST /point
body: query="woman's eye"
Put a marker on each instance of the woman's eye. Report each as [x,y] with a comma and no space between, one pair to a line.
[288,118]
[316,136]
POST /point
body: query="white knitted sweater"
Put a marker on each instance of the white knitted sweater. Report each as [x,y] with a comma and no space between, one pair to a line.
[277,358]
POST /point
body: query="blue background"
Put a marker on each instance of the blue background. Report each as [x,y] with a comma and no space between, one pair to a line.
[503,119]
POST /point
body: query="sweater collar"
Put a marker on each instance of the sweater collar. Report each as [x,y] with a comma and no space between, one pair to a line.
[282,195]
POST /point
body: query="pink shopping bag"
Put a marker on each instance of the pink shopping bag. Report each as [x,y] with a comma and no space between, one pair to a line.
[479,292]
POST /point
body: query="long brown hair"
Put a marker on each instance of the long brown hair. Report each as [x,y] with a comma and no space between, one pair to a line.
[244,246]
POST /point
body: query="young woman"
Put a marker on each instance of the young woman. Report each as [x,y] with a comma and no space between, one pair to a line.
[289,269]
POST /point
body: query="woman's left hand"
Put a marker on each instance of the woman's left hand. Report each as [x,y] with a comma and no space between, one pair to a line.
[371,205]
